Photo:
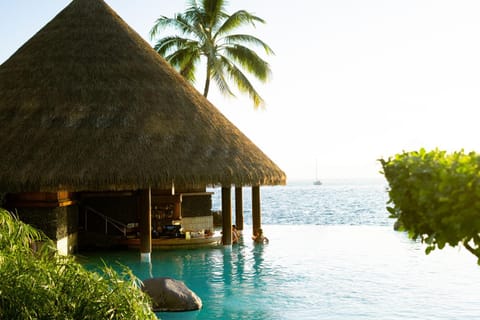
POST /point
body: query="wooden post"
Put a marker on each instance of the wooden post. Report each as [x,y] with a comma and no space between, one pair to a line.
[227,216]
[145,224]
[239,208]
[256,211]
[177,210]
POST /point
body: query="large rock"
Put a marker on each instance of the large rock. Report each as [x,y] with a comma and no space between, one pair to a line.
[171,295]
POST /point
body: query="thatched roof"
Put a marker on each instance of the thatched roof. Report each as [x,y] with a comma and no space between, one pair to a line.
[87,104]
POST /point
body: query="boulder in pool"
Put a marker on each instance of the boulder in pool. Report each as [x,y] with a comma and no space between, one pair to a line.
[171,295]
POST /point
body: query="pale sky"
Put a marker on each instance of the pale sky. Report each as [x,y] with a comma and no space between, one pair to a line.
[353,80]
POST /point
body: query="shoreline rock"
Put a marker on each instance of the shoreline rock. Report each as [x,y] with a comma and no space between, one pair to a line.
[170,295]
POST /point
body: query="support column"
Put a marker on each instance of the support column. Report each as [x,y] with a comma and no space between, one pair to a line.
[145,224]
[227,216]
[256,211]
[177,210]
[239,208]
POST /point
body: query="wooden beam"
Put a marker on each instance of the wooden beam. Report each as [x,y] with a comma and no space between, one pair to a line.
[177,198]
[145,224]
[105,194]
[227,216]
[40,199]
[194,194]
[239,208]
[256,210]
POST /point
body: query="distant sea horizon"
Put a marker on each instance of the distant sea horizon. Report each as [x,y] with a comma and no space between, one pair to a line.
[356,201]
[343,180]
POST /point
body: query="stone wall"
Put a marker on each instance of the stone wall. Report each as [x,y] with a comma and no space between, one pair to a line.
[59,224]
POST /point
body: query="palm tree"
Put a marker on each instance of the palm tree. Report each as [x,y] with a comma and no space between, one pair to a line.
[206,30]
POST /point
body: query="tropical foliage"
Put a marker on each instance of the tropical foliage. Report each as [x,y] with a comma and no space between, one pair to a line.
[206,30]
[37,283]
[435,196]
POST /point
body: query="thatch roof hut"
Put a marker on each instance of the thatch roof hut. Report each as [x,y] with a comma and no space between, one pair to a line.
[87,104]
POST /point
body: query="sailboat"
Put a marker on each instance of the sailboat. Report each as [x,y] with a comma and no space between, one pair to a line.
[317,182]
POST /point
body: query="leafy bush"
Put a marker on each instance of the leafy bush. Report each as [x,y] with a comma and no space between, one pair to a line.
[40,284]
[435,196]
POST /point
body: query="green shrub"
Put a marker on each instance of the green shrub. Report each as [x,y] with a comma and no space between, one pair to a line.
[44,285]
[435,196]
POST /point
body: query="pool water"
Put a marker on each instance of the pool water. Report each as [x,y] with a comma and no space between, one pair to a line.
[318,272]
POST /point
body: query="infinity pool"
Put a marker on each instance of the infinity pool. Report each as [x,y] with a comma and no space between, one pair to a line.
[318,272]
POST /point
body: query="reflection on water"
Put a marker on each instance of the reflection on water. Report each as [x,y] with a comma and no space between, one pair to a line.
[320,272]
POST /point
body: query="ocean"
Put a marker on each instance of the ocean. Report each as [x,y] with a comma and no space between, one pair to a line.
[336,202]
[333,254]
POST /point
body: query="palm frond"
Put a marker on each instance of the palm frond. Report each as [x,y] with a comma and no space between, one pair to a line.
[189,27]
[250,61]
[217,73]
[191,5]
[159,24]
[194,16]
[185,61]
[163,23]
[237,19]
[179,22]
[242,83]
[168,44]
[188,70]
[247,39]
[214,13]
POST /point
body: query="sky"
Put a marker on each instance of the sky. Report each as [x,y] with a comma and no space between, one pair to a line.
[353,80]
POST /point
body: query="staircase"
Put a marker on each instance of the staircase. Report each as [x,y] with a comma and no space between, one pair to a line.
[99,230]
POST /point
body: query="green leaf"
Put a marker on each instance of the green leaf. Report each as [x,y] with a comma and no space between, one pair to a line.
[429,249]
[391,210]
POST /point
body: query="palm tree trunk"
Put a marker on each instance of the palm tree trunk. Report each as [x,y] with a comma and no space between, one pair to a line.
[207,81]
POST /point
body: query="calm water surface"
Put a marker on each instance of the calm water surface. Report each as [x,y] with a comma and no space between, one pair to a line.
[332,255]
